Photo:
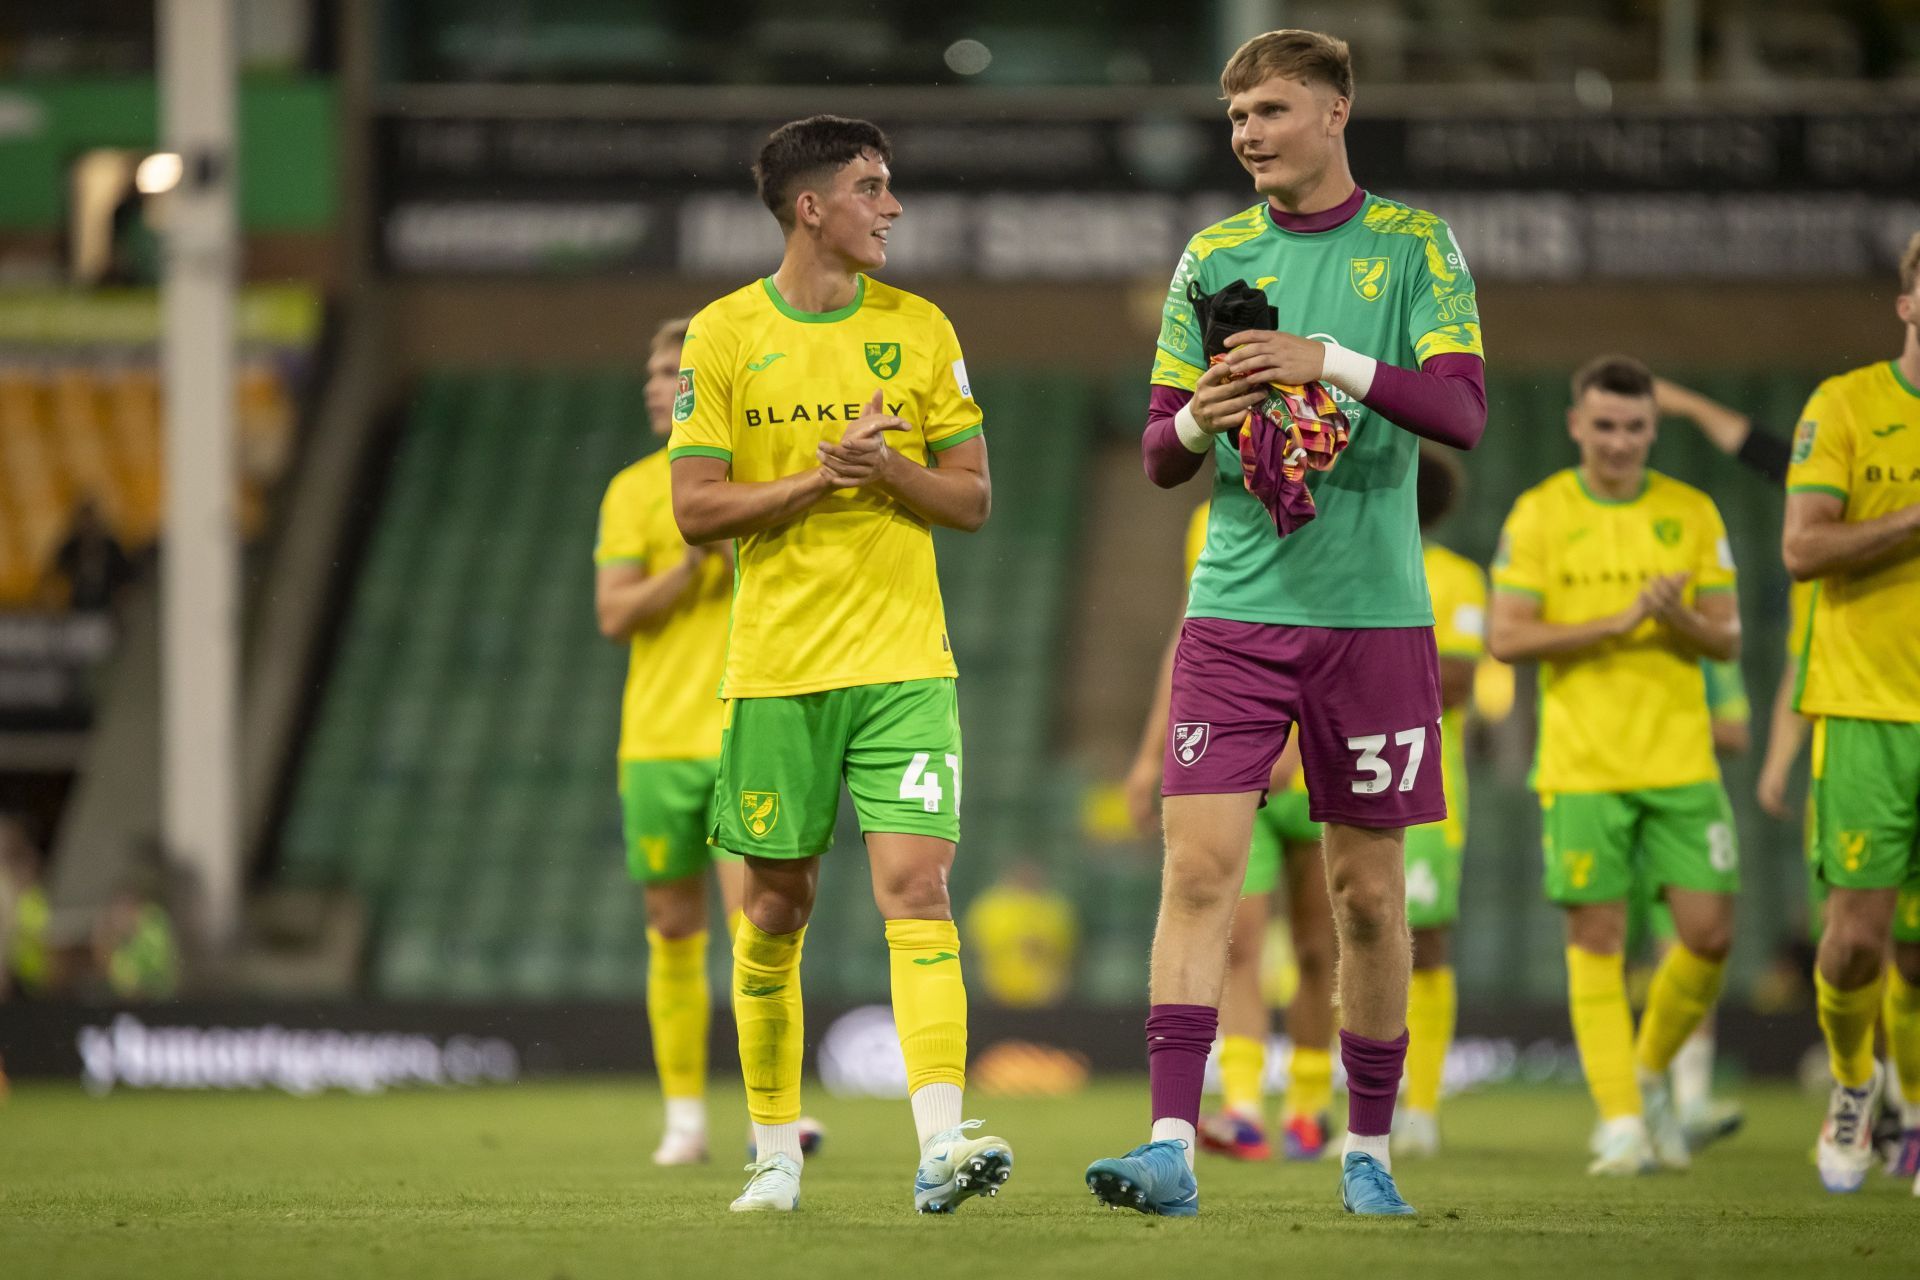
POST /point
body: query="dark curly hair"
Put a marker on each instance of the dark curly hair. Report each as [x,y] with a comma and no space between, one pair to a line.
[807,151]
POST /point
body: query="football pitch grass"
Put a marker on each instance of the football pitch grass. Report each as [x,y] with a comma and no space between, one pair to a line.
[552,1180]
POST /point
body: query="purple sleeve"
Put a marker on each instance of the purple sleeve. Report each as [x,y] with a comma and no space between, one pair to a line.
[1169,462]
[1444,400]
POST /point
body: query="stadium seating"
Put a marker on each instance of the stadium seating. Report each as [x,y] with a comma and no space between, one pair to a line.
[460,775]
[71,431]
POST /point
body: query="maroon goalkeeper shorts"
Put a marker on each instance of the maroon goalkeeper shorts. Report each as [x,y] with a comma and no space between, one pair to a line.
[1367,702]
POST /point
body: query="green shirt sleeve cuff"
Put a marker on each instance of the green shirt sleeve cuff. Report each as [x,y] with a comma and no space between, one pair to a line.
[699,451]
[1707,588]
[1514,589]
[947,442]
[1819,488]
[611,559]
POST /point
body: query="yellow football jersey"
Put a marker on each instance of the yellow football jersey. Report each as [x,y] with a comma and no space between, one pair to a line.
[1459,593]
[672,708]
[845,593]
[1632,712]
[1859,440]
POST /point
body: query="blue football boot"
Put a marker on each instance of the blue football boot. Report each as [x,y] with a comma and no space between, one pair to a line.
[1152,1178]
[1367,1188]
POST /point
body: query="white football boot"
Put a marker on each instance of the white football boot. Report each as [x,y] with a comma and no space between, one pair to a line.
[1622,1149]
[773,1188]
[1845,1148]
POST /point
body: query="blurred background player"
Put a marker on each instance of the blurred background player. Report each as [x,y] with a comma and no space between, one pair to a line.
[1435,851]
[1329,628]
[667,602]
[1620,581]
[1284,837]
[1853,528]
[838,663]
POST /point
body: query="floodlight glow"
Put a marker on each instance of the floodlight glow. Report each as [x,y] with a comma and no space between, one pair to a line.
[968,57]
[158,173]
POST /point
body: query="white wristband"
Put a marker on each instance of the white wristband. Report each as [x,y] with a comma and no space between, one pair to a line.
[1349,370]
[1191,433]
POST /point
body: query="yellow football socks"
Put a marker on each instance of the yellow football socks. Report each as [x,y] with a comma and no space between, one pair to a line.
[678,1008]
[1847,1018]
[1603,1030]
[767,1013]
[1309,1082]
[1683,991]
[1901,1009]
[1243,1065]
[1431,1004]
[929,1000]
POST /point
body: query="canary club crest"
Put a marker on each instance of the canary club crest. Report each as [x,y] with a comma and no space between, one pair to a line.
[1368,277]
[1190,741]
[883,358]
[760,810]
[1668,531]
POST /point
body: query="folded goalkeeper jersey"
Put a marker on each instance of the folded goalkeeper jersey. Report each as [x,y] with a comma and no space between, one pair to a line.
[1295,430]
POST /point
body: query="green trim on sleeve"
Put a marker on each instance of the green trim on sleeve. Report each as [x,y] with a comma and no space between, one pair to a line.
[1708,587]
[792,312]
[699,451]
[1463,655]
[945,443]
[604,561]
[1819,488]
[1513,590]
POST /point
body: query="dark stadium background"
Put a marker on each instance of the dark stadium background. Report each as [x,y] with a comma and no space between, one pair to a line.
[460,220]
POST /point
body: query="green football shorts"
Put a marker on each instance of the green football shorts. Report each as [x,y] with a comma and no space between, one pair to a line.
[1866,802]
[782,759]
[665,808]
[1433,876]
[1282,821]
[1599,844]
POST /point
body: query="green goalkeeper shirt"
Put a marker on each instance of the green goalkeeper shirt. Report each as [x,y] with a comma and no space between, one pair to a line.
[1389,282]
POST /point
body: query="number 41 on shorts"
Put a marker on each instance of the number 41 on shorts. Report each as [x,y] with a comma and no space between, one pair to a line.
[923,784]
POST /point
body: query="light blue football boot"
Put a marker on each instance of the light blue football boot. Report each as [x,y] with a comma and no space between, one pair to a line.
[1367,1188]
[954,1167]
[1152,1178]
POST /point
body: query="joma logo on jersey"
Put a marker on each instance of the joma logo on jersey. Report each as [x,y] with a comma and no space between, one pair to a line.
[769,416]
[1190,741]
[883,358]
[1368,277]
[760,810]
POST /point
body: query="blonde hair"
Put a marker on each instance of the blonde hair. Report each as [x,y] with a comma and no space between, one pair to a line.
[1910,264]
[1307,56]
[672,332]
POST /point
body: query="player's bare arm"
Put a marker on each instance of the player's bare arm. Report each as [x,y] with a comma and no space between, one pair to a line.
[953,491]
[1709,628]
[1517,633]
[1456,682]
[1787,732]
[1818,542]
[709,505]
[1143,779]
[626,598]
